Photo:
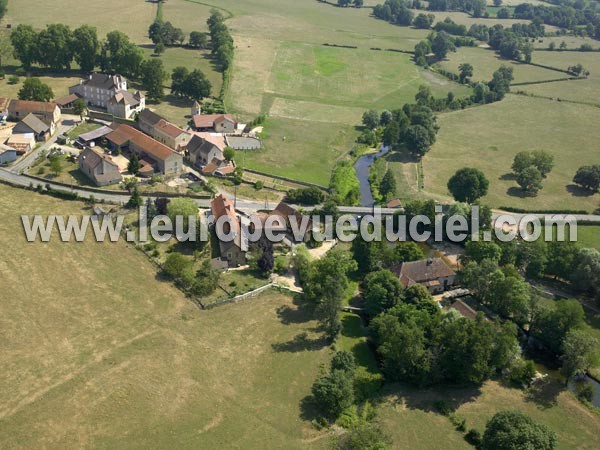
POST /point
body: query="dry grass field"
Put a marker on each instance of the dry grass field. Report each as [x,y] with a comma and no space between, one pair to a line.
[132,17]
[579,91]
[100,352]
[488,138]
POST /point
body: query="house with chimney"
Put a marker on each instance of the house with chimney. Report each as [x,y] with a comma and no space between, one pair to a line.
[98,167]
[154,156]
[217,123]
[223,214]
[203,150]
[109,92]
[163,131]
[433,273]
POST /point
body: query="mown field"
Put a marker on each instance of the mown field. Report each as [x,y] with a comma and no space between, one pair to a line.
[409,417]
[99,352]
[288,74]
[486,62]
[301,150]
[488,138]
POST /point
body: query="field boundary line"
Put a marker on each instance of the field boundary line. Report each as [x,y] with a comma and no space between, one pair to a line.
[229,13]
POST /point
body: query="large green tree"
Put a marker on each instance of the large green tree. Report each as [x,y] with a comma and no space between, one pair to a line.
[153,77]
[34,89]
[580,353]
[56,46]
[512,430]
[468,185]
[86,47]
[382,290]
[24,40]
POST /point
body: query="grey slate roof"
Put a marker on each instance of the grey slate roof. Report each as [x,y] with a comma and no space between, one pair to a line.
[32,122]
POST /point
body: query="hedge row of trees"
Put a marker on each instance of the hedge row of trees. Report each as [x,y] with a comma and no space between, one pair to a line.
[221,42]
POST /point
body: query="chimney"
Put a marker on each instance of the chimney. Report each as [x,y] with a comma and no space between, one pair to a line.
[429,261]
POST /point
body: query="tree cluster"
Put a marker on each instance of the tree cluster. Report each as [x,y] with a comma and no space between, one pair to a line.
[56,46]
[424,346]
[325,282]
[530,168]
[191,85]
[334,392]
[574,17]
[413,127]
[165,33]
[305,196]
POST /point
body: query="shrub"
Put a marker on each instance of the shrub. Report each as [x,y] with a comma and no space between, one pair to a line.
[20,72]
[367,385]
[443,407]
[259,185]
[473,437]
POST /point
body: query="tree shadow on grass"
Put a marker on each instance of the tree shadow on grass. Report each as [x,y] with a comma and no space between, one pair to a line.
[578,191]
[440,399]
[509,176]
[308,409]
[544,392]
[515,191]
[301,312]
[300,343]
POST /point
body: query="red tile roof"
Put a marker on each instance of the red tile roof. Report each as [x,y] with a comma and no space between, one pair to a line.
[31,106]
[169,129]
[208,120]
[124,133]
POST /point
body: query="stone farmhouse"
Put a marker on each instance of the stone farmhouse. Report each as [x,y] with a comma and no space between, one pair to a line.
[235,250]
[98,167]
[109,92]
[204,150]
[163,131]
[154,156]
[433,273]
[218,123]
[48,112]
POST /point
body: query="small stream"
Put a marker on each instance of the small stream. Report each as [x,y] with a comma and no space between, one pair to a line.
[596,398]
[362,169]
